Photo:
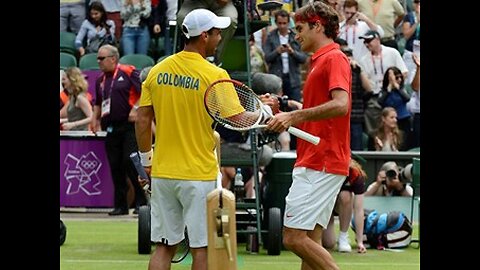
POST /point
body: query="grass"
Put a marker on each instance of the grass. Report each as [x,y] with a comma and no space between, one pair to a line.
[112,244]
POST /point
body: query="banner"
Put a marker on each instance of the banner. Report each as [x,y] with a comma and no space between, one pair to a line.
[85,179]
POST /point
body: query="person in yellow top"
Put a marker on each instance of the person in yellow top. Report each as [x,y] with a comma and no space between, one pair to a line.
[182,166]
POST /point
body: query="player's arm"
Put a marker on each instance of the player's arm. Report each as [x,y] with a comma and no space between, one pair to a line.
[143,129]
[337,106]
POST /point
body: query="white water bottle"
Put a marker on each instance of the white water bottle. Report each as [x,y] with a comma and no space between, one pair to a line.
[239,187]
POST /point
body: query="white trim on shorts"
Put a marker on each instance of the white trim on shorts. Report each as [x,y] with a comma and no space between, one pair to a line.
[311,198]
[176,203]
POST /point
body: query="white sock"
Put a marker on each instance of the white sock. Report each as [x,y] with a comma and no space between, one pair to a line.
[343,235]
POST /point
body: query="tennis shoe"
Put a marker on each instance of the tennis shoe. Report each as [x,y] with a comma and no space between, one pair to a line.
[344,245]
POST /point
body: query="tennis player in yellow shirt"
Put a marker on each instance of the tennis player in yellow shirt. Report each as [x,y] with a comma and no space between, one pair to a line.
[182,165]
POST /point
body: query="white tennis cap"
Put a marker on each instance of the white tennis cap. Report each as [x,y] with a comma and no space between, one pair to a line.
[200,20]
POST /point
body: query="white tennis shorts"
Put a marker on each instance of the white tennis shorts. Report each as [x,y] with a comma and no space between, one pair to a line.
[311,198]
[176,203]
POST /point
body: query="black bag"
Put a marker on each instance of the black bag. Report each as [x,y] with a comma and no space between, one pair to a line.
[387,230]
[95,43]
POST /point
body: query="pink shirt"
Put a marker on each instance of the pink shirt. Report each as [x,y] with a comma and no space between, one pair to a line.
[329,70]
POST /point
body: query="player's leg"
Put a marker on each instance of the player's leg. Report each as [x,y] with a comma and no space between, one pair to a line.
[309,206]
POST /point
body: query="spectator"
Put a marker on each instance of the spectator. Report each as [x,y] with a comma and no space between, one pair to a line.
[183,165]
[95,28]
[257,57]
[414,104]
[355,25]
[374,64]
[319,170]
[387,183]
[349,201]
[360,90]
[388,136]
[394,95]
[76,114]
[386,13]
[159,28]
[117,91]
[135,36]
[284,57]
[72,14]
[411,32]
[112,8]
[220,8]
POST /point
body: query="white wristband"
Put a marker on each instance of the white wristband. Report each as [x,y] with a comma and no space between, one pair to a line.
[146,158]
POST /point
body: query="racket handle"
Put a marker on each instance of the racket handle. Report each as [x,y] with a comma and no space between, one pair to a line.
[304,135]
[140,170]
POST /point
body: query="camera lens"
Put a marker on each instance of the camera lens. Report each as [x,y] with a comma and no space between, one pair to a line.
[391,174]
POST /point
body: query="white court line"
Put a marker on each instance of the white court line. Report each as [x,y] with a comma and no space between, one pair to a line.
[259,262]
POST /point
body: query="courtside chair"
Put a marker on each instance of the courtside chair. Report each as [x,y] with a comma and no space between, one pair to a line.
[88,62]
[67,60]
[416,194]
[140,61]
[67,43]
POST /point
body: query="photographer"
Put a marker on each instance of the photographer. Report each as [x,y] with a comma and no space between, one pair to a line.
[391,181]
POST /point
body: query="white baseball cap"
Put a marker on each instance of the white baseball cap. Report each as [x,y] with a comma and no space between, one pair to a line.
[201,20]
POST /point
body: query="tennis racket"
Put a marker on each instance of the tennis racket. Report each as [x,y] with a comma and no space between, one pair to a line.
[140,170]
[236,106]
[184,246]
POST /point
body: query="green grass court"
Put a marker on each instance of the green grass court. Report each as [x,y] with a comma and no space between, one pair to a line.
[112,244]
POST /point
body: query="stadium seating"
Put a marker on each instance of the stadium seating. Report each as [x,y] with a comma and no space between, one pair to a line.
[67,43]
[67,60]
[88,62]
[140,61]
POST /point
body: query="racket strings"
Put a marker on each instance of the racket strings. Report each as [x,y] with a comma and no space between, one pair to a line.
[222,103]
[182,249]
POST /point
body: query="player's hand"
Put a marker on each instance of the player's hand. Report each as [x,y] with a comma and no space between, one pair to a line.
[280,122]
[272,101]
[144,182]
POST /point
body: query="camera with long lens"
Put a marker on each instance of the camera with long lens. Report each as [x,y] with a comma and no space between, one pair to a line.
[283,103]
[404,175]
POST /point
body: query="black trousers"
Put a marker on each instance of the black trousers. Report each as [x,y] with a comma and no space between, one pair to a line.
[119,144]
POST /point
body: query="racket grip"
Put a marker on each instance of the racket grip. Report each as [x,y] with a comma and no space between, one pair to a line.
[304,135]
[138,165]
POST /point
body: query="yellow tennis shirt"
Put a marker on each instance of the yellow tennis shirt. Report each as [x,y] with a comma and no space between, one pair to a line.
[184,140]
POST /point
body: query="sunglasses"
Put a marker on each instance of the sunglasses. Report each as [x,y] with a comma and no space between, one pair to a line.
[416,2]
[101,58]
[399,77]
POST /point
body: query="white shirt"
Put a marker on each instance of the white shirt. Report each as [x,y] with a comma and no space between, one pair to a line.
[352,32]
[376,66]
